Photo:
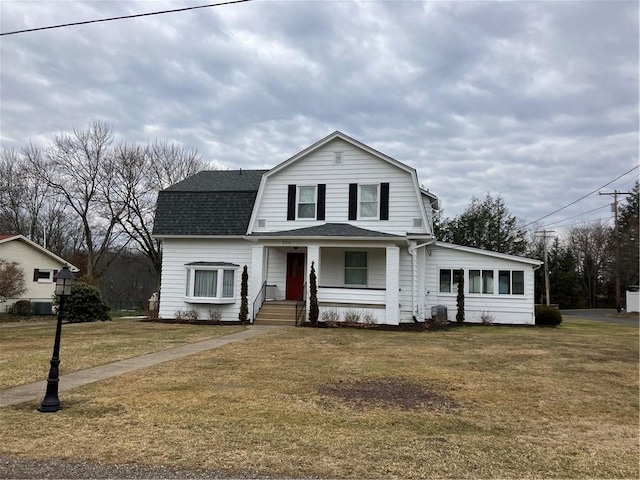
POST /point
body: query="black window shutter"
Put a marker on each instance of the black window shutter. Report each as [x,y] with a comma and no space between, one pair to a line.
[322,192]
[35,274]
[353,201]
[384,201]
[291,203]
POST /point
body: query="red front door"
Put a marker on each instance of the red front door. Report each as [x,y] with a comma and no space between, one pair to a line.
[295,276]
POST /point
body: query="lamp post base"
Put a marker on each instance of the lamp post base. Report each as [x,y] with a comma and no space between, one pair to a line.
[51,402]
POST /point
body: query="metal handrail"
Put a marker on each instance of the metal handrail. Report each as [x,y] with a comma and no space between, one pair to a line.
[262,294]
[301,303]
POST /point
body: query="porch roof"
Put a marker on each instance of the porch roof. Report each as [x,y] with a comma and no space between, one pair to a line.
[329,230]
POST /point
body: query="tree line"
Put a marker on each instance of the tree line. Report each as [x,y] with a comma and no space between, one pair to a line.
[91,199]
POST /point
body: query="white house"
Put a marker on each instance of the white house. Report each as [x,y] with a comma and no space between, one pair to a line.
[40,267]
[357,215]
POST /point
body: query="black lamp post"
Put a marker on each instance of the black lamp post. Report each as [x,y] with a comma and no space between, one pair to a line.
[51,403]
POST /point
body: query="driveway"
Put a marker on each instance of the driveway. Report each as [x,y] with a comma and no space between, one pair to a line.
[604,315]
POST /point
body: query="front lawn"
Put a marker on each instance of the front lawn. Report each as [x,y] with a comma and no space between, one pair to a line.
[472,402]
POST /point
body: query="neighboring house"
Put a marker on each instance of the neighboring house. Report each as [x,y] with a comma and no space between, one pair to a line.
[359,216]
[40,267]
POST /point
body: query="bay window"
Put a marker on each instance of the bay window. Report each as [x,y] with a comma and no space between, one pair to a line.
[210,282]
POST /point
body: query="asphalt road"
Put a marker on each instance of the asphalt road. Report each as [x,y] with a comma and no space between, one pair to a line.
[605,315]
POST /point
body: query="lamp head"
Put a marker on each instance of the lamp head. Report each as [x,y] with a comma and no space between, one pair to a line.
[64,280]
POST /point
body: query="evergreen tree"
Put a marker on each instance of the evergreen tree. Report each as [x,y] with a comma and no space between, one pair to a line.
[460,297]
[485,224]
[244,291]
[314,310]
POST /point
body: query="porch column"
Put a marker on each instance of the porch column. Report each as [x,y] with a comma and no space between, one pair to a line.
[313,255]
[256,276]
[393,285]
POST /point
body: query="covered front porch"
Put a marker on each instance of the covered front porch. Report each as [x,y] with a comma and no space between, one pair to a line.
[355,279]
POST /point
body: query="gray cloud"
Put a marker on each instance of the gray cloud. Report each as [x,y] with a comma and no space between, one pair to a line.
[536,101]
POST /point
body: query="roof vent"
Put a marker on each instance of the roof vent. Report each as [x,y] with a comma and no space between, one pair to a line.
[262,222]
[337,159]
[417,222]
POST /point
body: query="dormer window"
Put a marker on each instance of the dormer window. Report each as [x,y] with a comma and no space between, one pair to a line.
[307,202]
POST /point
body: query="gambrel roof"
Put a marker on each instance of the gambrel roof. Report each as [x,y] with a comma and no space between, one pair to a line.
[212,202]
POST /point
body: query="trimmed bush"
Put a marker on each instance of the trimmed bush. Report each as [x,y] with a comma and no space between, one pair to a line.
[85,304]
[21,307]
[548,316]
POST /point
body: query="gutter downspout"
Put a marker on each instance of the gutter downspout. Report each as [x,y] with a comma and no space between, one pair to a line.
[414,267]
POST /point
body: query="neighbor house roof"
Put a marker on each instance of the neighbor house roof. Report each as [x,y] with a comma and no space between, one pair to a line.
[5,238]
[209,203]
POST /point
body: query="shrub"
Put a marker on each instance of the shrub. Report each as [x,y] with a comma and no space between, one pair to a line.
[314,309]
[244,291]
[486,318]
[187,315]
[85,304]
[548,316]
[460,298]
[331,317]
[21,307]
[352,316]
[215,316]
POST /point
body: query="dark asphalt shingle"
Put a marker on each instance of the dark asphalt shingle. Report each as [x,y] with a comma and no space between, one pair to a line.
[328,230]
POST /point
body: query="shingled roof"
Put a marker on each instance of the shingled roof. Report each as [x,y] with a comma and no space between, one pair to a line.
[212,202]
[328,230]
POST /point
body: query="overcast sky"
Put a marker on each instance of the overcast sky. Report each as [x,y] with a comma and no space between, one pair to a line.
[536,101]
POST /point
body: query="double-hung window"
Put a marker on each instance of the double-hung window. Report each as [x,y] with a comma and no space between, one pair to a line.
[210,282]
[368,201]
[355,268]
[511,282]
[307,202]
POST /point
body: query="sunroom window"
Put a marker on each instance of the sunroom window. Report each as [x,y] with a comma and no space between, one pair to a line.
[449,280]
[210,282]
[511,282]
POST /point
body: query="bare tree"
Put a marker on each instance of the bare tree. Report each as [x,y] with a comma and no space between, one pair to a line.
[30,207]
[140,173]
[591,244]
[80,169]
[12,282]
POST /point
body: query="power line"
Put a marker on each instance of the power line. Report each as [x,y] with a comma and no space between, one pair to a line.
[578,215]
[581,198]
[586,222]
[125,17]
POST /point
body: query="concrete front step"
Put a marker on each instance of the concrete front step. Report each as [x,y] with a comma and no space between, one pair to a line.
[277,313]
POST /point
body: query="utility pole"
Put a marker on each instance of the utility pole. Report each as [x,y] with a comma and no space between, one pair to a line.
[546,262]
[616,238]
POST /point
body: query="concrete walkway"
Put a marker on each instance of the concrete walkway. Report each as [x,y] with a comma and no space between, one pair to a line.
[35,391]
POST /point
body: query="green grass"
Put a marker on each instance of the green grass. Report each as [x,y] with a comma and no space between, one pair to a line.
[533,402]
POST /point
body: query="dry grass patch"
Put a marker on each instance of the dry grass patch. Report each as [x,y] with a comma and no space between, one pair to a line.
[530,402]
[26,349]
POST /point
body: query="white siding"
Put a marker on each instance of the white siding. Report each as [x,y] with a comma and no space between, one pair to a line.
[357,166]
[507,309]
[178,252]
